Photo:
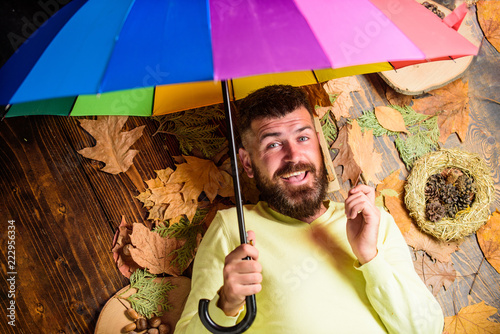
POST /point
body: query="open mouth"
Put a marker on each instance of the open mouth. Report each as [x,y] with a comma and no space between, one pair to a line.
[294,176]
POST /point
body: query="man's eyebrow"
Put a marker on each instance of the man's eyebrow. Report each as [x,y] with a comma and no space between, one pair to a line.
[277,134]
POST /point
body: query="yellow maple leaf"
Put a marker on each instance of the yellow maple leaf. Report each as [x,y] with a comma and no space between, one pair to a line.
[488,237]
[392,182]
[198,175]
[472,319]
[488,14]
[363,152]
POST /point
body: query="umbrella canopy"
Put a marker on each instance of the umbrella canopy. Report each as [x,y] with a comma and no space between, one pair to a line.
[149,50]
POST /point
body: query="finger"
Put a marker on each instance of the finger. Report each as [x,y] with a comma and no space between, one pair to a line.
[251,237]
[246,266]
[367,190]
[241,252]
[249,279]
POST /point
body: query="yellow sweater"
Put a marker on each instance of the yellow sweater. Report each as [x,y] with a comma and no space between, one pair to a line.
[307,290]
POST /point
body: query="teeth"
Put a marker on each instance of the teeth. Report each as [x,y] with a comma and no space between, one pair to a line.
[286,176]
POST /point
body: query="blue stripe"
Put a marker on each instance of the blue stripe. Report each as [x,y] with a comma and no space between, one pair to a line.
[15,70]
[162,42]
[75,61]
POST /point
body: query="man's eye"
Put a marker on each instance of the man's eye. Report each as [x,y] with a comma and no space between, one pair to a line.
[303,138]
[273,145]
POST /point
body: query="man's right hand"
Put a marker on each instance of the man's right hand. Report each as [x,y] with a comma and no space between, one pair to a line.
[241,277]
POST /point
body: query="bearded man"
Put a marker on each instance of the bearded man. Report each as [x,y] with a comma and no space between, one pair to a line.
[316,266]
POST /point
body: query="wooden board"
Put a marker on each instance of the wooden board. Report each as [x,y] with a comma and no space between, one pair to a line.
[421,78]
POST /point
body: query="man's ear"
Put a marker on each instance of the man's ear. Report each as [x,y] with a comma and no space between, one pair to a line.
[245,161]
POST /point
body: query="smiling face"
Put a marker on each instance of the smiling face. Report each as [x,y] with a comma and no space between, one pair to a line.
[284,156]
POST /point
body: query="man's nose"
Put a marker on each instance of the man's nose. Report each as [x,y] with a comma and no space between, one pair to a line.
[292,152]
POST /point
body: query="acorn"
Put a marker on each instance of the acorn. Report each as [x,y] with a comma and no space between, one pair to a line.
[142,324]
[154,322]
[164,329]
[132,314]
[130,327]
[153,331]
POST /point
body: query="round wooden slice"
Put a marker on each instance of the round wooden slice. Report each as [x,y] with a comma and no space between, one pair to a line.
[113,319]
[421,78]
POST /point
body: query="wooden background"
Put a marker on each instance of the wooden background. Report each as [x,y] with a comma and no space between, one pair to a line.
[66,211]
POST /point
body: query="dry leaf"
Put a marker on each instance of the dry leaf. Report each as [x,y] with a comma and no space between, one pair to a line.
[488,237]
[451,103]
[436,249]
[342,88]
[399,212]
[396,98]
[488,14]
[124,262]
[392,182]
[351,170]
[363,152]
[317,95]
[390,119]
[434,274]
[198,175]
[472,319]
[112,145]
[151,251]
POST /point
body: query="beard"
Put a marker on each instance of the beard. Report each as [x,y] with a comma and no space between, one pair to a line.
[298,202]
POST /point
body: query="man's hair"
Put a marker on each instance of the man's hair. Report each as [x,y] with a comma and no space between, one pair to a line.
[270,102]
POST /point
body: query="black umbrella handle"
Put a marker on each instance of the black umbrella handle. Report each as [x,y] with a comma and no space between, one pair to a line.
[251,304]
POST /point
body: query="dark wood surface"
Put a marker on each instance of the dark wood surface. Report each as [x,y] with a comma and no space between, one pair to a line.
[66,211]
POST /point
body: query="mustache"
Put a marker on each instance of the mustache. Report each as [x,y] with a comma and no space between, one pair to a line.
[291,168]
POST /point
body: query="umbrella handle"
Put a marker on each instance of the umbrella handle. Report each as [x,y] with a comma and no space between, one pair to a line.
[251,304]
[240,327]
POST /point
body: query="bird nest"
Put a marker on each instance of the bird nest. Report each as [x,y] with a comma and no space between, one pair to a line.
[466,221]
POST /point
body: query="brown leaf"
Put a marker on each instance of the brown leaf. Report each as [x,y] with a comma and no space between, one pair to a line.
[198,175]
[342,88]
[179,206]
[436,249]
[472,319]
[488,237]
[112,145]
[124,262]
[396,98]
[451,103]
[434,274]
[390,119]
[399,212]
[363,152]
[351,170]
[317,95]
[488,13]
[151,251]
[392,182]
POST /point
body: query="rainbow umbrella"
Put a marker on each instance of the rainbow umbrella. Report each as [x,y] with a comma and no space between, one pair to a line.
[151,57]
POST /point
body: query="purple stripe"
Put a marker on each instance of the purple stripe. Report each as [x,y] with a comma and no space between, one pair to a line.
[259,36]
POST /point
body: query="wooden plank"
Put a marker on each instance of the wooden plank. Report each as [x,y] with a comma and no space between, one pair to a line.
[65,271]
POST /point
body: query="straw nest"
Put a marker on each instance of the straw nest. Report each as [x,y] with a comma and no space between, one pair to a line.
[466,221]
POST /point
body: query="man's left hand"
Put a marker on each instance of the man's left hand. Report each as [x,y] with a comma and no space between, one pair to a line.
[363,220]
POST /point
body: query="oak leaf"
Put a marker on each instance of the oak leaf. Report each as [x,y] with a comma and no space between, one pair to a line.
[436,249]
[390,119]
[363,152]
[488,237]
[434,274]
[123,261]
[451,104]
[345,158]
[488,14]
[396,98]
[399,212]
[112,145]
[341,89]
[198,175]
[151,251]
[472,319]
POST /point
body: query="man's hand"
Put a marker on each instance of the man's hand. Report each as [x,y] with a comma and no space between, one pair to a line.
[241,277]
[363,220]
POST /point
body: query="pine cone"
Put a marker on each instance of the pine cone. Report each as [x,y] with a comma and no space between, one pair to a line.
[434,211]
[433,187]
[451,210]
[449,194]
